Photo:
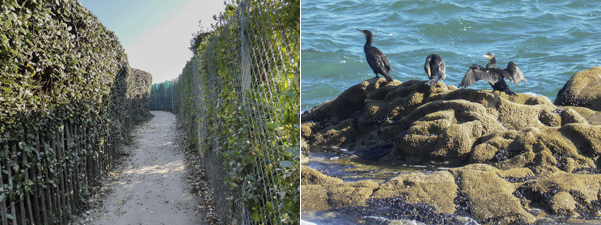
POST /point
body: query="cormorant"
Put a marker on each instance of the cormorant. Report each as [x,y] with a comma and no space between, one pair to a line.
[494,76]
[492,59]
[435,69]
[375,58]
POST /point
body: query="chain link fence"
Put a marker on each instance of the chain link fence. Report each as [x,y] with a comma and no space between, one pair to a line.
[239,100]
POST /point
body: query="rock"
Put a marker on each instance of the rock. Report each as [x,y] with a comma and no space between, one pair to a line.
[321,192]
[490,196]
[566,194]
[591,116]
[572,116]
[582,90]
[564,204]
[314,197]
[416,124]
[311,176]
[508,152]
[350,194]
[304,151]
[437,189]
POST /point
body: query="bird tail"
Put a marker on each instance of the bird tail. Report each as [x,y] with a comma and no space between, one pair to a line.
[388,78]
[509,92]
[432,81]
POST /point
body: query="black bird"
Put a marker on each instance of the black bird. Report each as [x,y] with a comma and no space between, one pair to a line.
[375,58]
[492,59]
[435,69]
[494,76]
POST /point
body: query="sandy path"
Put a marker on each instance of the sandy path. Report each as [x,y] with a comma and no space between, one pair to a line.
[151,186]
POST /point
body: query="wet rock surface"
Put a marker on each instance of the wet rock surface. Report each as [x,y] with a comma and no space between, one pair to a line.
[508,154]
[582,90]
[437,189]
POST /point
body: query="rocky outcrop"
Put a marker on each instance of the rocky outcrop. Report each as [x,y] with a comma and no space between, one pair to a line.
[575,195]
[326,192]
[480,191]
[582,90]
[508,153]
[437,189]
[489,197]
[442,125]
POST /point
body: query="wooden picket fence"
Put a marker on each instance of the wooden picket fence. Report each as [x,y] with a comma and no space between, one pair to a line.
[71,167]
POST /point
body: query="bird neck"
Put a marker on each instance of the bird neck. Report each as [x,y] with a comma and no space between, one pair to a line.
[368,40]
[491,64]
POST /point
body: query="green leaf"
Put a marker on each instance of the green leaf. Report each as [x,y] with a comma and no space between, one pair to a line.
[287,164]
[293,151]
[255,215]
[269,206]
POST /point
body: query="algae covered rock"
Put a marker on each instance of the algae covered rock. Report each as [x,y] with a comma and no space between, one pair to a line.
[323,192]
[437,189]
[566,194]
[480,191]
[582,90]
[490,197]
[312,176]
[592,117]
[441,125]
[509,154]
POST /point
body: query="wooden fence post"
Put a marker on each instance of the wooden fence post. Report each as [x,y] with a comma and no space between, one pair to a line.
[10,183]
[27,195]
[3,202]
[42,195]
[59,149]
[69,170]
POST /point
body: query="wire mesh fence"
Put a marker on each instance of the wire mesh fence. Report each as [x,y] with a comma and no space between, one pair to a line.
[239,100]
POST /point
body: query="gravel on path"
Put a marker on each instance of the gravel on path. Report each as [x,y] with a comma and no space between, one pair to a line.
[150,187]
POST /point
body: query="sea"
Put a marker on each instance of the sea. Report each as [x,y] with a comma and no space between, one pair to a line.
[548,40]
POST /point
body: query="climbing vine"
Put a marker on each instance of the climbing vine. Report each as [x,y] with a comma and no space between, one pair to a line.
[239,97]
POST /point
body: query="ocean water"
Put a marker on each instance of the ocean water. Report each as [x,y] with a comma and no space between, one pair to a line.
[548,40]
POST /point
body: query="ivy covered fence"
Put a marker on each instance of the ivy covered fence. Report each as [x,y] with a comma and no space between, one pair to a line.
[67,94]
[239,100]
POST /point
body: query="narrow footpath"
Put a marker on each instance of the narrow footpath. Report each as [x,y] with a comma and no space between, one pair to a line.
[150,187]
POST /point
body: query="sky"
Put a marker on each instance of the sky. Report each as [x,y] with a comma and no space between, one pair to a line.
[156,34]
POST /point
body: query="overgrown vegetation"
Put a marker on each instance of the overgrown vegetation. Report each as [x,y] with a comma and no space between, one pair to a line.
[198,38]
[239,101]
[67,99]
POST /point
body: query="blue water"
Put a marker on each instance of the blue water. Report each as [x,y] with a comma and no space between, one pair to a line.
[549,41]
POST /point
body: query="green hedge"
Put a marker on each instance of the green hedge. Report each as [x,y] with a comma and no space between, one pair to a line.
[239,99]
[61,71]
[139,85]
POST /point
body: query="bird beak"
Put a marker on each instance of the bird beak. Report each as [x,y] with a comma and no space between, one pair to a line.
[360,30]
[486,56]
[428,72]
